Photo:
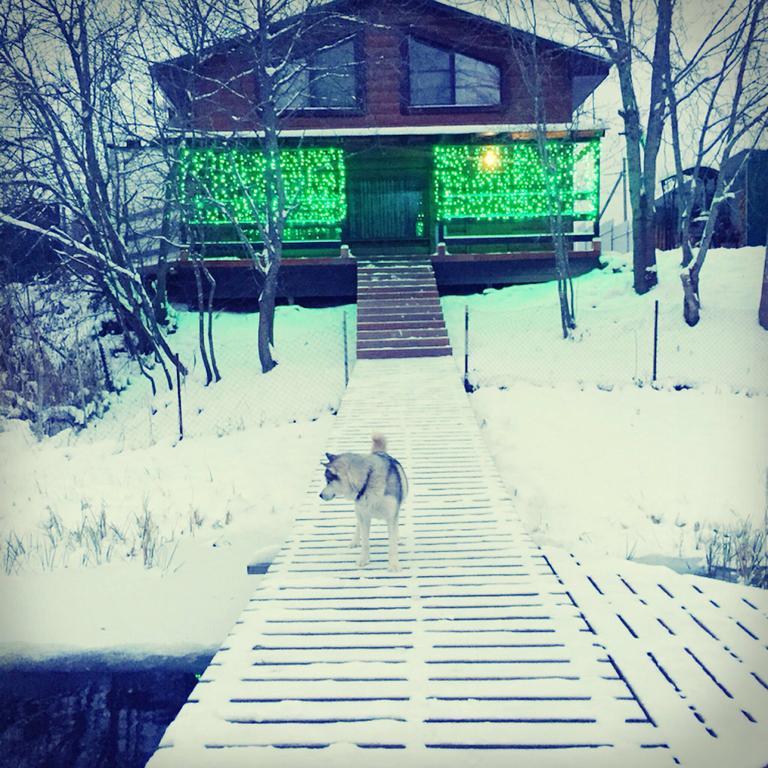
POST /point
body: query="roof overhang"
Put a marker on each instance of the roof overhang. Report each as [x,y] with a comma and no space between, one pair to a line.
[520,132]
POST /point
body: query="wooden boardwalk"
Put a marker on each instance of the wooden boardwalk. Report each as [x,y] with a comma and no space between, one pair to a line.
[484,649]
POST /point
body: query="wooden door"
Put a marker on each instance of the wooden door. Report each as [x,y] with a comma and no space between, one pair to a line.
[386,208]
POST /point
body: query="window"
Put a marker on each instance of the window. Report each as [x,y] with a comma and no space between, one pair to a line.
[325,80]
[443,78]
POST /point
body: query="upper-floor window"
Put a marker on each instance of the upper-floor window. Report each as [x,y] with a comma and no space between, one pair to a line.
[324,80]
[439,77]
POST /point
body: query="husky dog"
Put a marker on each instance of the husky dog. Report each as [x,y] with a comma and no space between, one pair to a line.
[377,484]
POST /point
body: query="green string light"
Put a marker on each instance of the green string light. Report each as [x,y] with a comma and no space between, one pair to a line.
[509,181]
[220,185]
[223,184]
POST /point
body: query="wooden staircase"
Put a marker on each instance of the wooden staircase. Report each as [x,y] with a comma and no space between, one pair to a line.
[398,309]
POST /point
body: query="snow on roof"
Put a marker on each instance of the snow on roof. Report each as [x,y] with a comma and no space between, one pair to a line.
[491,129]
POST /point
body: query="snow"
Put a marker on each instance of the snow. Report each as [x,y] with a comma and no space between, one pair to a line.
[599,458]
[634,472]
[222,497]
[473,644]
[596,453]
[489,129]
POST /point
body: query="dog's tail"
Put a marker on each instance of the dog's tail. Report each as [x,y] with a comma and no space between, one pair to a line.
[379,443]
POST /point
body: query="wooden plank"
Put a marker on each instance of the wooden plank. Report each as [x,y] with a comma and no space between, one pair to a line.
[411,352]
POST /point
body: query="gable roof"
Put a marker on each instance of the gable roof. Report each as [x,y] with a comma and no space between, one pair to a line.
[589,67]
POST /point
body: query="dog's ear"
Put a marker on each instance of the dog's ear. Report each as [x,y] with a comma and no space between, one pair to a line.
[331,457]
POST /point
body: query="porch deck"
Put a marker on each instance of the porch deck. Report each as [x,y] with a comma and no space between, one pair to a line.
[484,648]
[335,277]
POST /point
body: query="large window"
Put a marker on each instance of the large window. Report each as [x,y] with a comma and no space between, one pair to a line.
[439,77]
[325,80]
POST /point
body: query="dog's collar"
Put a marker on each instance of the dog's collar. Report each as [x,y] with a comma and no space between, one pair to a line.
[365,486]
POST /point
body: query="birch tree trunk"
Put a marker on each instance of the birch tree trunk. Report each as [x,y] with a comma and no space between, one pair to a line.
[735,111]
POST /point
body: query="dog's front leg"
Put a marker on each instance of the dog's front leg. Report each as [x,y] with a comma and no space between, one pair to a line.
[394,565]
[364,527]
[356,535]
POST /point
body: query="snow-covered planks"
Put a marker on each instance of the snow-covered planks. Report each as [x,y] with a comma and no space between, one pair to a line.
[695,650]
[475,652]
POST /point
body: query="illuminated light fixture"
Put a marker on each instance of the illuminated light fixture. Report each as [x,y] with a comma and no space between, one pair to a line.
[490,159]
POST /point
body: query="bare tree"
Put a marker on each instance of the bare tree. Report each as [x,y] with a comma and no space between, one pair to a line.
[267,48]
[66,92]
[616,28]
[188,30]
[721,86]
[531,61]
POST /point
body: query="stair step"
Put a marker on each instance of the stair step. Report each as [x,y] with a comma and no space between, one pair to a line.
[389,299]
[430,305]
[400,309]
[398,293]
[392,300]
[417,332]
[411,320]
[440,341]
[369,270]
[410,352]
[376,295]
[393,281]
[385,325]
[412,272]
[392,261]
[398,287]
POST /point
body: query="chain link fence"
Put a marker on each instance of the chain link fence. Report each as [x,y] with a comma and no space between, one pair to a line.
[309,380]
[512,336]
[66,372]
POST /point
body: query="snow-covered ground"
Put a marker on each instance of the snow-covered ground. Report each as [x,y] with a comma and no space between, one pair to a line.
[596,453]
[90,509]
[597,457]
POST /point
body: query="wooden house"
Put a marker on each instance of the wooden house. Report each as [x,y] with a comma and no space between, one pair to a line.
[741,218]
[407,127]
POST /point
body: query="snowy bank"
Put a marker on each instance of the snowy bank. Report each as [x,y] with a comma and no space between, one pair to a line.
[596,458]
[595,452]
[84,512]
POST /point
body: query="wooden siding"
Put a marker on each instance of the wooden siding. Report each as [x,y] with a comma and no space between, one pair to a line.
[382,29]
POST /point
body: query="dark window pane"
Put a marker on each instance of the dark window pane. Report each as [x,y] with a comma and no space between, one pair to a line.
[425,58]
[432,88]
[477,82]
[430,74]
[333,77]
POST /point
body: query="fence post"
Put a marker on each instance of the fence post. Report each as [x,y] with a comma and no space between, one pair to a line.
[346,353]
[178,396]
[467,386]
[107,375]
[655,336]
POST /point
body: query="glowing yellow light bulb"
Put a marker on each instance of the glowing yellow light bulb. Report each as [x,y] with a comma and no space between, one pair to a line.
[490,158]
